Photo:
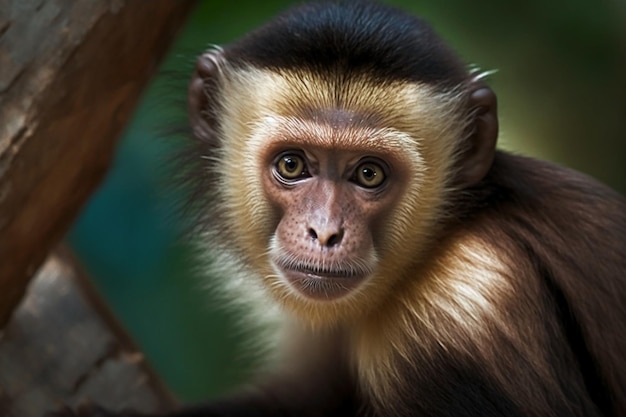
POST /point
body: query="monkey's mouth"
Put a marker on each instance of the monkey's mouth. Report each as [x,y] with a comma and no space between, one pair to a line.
[323,283]
[327,272]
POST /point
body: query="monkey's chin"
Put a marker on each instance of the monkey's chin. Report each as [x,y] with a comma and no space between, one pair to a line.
[326,286]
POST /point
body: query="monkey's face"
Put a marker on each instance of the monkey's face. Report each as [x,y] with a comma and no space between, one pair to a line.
[332,202]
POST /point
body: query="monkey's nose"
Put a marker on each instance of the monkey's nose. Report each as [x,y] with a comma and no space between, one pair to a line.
[327,238]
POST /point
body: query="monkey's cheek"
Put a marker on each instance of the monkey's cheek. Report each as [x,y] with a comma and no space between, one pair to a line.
[321,287]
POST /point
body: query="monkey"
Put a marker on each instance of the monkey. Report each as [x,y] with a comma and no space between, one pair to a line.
[350,189]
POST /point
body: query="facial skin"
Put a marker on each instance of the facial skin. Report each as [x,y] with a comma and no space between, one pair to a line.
[331,199]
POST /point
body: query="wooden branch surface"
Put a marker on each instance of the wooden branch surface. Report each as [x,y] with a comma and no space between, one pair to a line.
[63,345]
[71,73]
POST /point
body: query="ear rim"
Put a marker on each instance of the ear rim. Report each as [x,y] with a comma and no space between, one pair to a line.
[204,80]
[477,158]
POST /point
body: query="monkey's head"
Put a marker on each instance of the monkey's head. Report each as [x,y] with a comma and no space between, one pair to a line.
[334,151]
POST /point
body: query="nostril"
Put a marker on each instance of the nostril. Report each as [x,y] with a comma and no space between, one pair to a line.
[312,233]
[334,239]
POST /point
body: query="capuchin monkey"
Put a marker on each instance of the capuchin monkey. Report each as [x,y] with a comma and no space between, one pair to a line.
[347,176]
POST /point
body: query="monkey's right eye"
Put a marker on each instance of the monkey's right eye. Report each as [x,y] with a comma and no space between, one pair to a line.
[291,166]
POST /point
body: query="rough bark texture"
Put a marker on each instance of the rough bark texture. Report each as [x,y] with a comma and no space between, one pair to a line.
[70,75]
[63,344]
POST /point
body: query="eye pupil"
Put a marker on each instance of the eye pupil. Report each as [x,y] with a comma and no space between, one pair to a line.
[290,164]
[368,173]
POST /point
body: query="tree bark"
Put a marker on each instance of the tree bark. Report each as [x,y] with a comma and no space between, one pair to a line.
[71,73]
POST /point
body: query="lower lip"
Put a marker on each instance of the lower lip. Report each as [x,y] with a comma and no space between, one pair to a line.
[321,287]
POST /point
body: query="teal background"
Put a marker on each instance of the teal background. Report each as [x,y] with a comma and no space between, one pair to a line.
[562,93]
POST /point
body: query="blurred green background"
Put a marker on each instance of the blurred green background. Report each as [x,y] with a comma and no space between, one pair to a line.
[561,83]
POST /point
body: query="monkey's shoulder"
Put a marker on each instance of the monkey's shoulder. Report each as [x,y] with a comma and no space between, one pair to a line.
[551,195]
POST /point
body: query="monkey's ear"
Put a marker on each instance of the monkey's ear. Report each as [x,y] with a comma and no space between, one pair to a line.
[202,88]
[478,157]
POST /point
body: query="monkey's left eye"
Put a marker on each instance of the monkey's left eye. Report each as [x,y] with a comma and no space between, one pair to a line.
[291,166]
[369,175]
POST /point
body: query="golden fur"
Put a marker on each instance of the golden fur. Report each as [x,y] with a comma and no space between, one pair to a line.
[265,108]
